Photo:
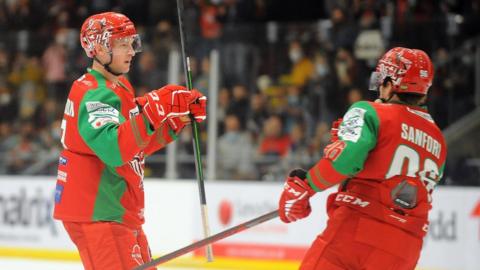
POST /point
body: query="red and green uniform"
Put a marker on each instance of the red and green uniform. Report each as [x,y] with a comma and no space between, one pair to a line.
[378,142]
[382,148]
[105,139]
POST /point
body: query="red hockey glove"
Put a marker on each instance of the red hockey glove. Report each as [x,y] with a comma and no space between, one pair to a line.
[168,101]
[178,123]
[334,130]
[199,108]
[294,202]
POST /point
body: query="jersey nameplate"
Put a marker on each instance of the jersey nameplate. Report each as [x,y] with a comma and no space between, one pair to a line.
[69,109]
[422,139]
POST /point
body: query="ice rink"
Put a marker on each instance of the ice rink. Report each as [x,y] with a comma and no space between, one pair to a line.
[13,264]
[183,263]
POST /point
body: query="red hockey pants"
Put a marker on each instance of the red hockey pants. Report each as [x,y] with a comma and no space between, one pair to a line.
[109,245]
[354,241]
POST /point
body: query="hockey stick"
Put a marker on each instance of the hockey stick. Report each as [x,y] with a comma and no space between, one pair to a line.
[196,142]
[209,240]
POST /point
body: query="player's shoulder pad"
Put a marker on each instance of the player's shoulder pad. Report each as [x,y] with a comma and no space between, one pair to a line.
[365,105]
[85,82]
[101,95]
[97,89]
[100,107]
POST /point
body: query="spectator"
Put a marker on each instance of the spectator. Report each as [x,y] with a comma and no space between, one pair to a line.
[235,152]
[295,109]
[345,68]
[46,113]
[5,133]
[147,75]
[27,100]
[275,143]
[53,60]
[24,152]
[343,32]
[8,108]
[298,154]
[224,98]
[257,115]
[354,95]
[163,42]
[210,26]
[321,94]
[302,67]
[320,139]
[201,80]
[240,103]
[3,66]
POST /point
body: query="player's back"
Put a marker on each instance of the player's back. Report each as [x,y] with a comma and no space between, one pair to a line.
[409,143]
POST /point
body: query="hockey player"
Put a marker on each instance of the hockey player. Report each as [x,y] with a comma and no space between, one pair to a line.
[107,133]
[387,158]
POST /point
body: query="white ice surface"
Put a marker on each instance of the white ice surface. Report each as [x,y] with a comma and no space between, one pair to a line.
[17,264]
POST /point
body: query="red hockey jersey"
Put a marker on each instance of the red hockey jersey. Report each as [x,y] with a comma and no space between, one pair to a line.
[381,145]
[105,138]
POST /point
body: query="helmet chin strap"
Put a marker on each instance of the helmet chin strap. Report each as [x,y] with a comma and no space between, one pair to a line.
[384,100]
[107,65]
[380,100]
[387,99]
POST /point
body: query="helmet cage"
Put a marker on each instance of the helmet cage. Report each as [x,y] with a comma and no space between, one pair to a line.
[134,41]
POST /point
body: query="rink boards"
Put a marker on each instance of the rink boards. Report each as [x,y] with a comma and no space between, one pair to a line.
[173,221]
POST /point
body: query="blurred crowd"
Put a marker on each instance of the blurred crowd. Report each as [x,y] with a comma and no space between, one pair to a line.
[287,70]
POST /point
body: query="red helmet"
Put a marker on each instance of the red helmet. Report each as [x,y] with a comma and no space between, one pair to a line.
[410,70]
[103,28]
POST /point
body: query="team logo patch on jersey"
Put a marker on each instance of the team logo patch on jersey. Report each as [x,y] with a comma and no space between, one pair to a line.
[100,114]
[62,161]
[137,164]
[134,112]
[62,176]
[351,127]
[137,254]
[58,193]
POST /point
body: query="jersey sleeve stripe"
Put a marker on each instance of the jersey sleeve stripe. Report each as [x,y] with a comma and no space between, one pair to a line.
[163,136]
[317,179]
[329,173]
[159,136]
[310,182]
[136,133]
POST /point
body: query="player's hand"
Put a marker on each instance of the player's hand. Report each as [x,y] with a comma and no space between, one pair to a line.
[334,130]
[198,108]
[294,202]
[164,103]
